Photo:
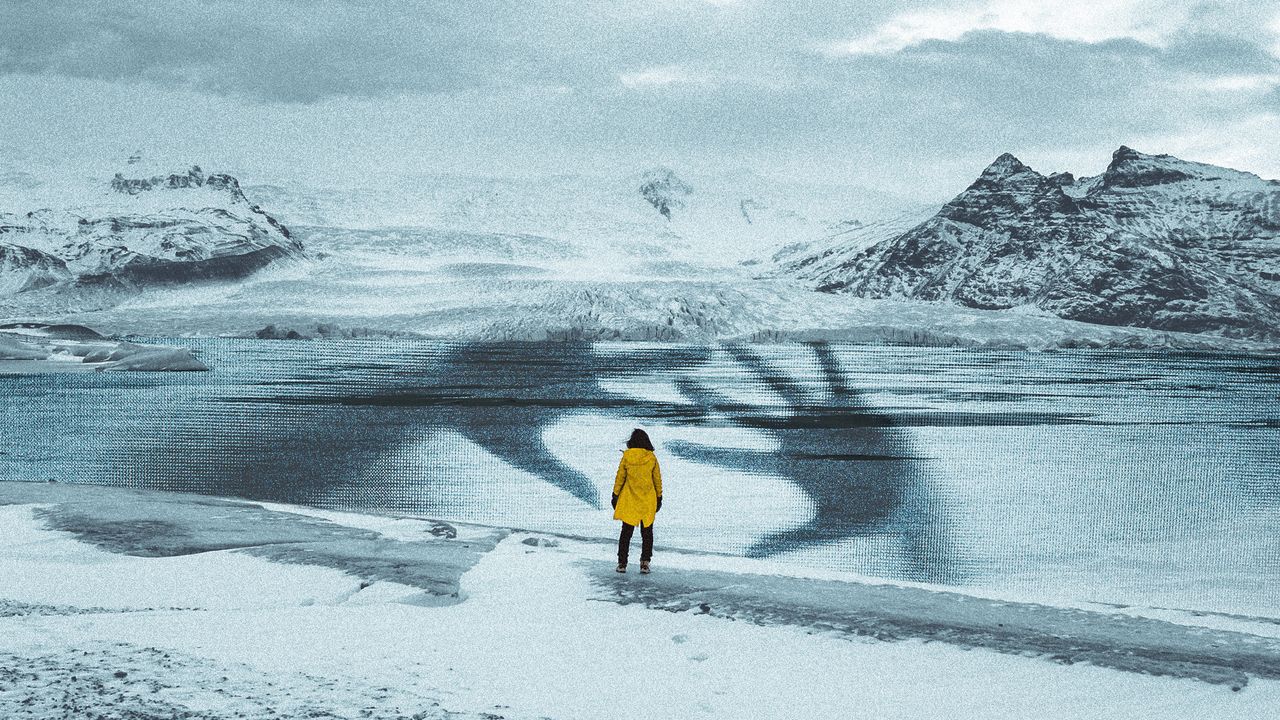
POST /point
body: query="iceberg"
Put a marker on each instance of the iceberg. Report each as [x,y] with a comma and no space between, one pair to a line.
[38,347]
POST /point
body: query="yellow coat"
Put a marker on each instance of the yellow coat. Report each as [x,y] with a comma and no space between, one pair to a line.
[638,487]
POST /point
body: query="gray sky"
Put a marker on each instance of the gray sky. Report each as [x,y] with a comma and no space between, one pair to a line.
[915,97]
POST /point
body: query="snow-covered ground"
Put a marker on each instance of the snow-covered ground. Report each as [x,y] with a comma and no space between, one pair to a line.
[144,604]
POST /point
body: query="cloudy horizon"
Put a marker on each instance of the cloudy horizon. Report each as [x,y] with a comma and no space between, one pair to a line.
[913,98]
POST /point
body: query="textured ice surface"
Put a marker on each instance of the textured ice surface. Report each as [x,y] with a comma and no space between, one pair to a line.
[1122,477]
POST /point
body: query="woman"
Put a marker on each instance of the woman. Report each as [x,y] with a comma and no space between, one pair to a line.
[637,497]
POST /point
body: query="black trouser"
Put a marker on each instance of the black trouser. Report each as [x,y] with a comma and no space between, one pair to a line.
[624,543]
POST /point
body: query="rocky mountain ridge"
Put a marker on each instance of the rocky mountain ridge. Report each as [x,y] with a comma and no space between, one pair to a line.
[1153,242]
[140,232]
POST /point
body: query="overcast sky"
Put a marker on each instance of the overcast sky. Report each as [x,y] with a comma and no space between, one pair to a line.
[916,97]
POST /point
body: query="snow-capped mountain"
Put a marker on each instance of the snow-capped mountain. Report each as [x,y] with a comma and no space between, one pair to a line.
[129,234]
[1153,242]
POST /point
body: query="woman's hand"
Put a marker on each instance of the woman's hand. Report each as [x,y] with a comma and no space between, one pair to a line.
[614,502]
[659,503]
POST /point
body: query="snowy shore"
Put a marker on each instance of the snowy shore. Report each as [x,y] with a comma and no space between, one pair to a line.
[125,603]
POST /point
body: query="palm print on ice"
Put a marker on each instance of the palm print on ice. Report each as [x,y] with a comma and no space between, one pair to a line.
[857,469]
[854,466]
[333,430]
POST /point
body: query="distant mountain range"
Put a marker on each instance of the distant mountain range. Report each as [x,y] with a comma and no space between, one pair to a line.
[1155,252]
[132,234]
[1153,242]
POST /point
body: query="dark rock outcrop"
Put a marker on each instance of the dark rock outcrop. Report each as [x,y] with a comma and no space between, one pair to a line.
[665,191]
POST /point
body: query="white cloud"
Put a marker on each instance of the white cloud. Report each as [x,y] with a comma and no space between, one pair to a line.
[1275,31]
[657,77]
[499,87]
[1236,83]
[1245,144]
[1094,21]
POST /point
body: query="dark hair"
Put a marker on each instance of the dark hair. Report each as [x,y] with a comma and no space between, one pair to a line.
[640,439]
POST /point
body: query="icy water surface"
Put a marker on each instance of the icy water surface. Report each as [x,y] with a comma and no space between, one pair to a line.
[1109,476]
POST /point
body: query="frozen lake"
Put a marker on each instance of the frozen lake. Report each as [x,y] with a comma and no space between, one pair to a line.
[1109,476]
